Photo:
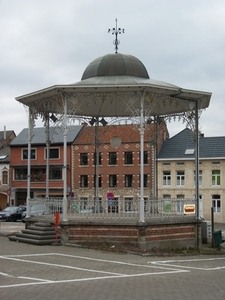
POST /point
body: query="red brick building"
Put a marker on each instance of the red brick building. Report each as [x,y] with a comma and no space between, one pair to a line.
[19,162]
[119,168]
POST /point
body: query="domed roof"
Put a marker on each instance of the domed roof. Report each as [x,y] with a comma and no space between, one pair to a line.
[115,65]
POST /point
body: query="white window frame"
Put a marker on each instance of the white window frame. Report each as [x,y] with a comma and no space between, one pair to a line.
[200,178]
[180,178]
[216,178]
[166,178]
[216,203]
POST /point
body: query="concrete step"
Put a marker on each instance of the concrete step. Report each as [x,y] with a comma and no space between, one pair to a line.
[31,241]
[35,236]
[37,232]
[43,224]
[40,228]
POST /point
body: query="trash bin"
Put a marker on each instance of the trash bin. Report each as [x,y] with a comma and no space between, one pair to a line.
[217,238]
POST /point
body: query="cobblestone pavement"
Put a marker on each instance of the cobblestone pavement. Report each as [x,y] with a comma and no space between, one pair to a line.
[62,272]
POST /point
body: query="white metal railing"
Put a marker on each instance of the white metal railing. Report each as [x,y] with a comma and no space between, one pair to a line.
[114,209]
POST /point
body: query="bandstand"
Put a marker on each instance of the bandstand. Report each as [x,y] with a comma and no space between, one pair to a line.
[117,87]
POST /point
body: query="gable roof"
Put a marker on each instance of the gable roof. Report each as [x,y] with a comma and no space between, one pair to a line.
[39,137]
[182,146]
[5,155]
[6,138]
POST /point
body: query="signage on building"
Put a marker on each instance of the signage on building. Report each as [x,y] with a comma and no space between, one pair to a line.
[110,197]
[189,209]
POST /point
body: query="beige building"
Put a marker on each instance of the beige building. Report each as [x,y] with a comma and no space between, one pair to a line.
[176,172]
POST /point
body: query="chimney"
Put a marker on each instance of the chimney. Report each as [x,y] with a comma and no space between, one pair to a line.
[4,132]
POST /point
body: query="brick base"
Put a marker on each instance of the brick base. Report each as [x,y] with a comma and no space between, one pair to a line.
[145,235]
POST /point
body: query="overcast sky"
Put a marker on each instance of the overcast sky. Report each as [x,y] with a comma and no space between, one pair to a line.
[48,42]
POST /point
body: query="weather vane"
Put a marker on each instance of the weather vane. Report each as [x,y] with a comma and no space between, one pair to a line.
[116,31]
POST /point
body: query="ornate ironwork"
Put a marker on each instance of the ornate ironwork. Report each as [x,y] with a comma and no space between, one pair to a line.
[116,31]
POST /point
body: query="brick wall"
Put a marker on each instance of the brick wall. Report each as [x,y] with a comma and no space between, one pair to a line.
[147,236]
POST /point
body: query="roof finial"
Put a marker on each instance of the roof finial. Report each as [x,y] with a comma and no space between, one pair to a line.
[116,31]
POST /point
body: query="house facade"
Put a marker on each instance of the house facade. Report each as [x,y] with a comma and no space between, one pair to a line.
[6,137]
[19,164]
[176,172]
[118,168]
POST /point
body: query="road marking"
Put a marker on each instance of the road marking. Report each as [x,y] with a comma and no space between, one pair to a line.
[90,258]
[111,275]
[32,278]
[90,279]
[5,275]
[60,266]
[175,263]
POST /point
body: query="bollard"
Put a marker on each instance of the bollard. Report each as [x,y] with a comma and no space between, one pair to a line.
[57,223]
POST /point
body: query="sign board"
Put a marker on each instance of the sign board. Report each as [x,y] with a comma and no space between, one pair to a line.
[189,209]
[110,196]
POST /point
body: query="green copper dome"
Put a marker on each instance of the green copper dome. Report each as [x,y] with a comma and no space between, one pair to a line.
[115,65]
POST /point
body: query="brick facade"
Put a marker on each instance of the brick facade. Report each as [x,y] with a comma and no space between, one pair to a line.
[130,142]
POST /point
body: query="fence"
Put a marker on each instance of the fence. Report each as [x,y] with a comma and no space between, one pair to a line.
[124,208]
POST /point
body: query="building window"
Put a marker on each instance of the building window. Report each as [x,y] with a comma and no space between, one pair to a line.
[98,205]
[5,177]
[38,174]
[83,159]
[180,203]
[113,205]
[21,174]
[99,181]
[216,203]
[53,153]
[99,159]
[32,154]
[83,203]
[128,158]
[145,157]
[199,178]
[112,158]
[215,177]
[166,178]
[145,180]
[215,163]
[55,173]
[167,203]
[129,205]
[128,180]
[112,180]
[83,181]
[180,178]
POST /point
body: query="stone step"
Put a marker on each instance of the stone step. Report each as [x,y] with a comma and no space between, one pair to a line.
[43,224]
[35,236]
[31,241]
[40,228]
[37,232]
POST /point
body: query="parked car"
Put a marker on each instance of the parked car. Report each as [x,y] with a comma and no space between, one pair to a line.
[12,213]
[36,210]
